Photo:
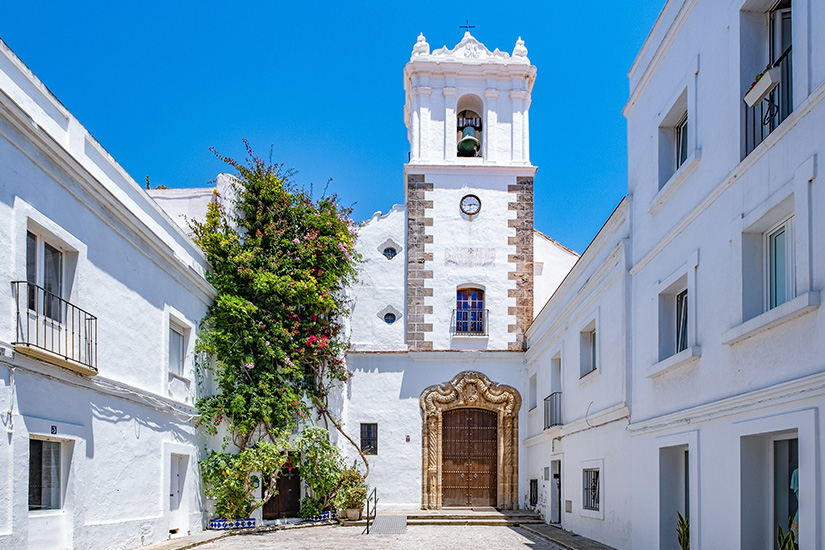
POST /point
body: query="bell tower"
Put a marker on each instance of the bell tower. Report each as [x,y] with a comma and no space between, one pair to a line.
[469,196]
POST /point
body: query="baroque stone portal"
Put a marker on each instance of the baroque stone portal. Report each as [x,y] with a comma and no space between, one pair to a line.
[470,389]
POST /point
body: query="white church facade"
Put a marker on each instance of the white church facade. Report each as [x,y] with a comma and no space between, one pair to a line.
[675,367]
[445,293]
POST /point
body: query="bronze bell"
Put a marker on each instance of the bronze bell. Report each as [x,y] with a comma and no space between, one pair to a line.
[468,144]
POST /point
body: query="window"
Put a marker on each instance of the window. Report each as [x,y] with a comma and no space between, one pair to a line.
[176,350]
[681,321]
[470,312]
[534,492]
[532,392]
[590,500]
[588,348]
[44,475]
[677,323]
[674,139]
[389,252]
[779,263]
[681,131]
[772,45]
[369,439]
[44,273]
[389,318]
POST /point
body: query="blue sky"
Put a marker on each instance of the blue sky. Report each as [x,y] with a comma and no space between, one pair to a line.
[158,83]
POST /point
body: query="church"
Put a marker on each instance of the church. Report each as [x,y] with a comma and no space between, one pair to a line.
[447,288]
[672,375]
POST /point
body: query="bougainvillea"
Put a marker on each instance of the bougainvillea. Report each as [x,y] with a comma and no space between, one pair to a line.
[280,262]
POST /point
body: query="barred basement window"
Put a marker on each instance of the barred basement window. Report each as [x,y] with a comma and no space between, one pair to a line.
[590,501]
[534,492]
[369,439]
[390,252]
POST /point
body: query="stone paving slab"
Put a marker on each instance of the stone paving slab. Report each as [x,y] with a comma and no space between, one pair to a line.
[190,541]
[565,539]
[415,538]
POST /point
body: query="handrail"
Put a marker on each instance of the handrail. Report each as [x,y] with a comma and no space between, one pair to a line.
[373,496]
[552,410]
[469,322]
[48,322]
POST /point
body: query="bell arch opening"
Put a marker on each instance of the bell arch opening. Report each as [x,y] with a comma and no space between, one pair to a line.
[470,402]
[469,126]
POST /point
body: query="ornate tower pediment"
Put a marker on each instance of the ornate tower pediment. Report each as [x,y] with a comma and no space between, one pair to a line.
[469,49]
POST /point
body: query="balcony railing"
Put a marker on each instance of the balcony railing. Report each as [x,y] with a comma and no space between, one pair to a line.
[762,119]
[59,329]
[470,322]
[552,410]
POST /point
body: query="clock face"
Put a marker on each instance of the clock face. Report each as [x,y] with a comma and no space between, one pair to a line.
[470,205]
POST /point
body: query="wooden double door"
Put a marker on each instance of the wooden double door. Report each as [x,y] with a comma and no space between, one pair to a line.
[287,502]
[469,457]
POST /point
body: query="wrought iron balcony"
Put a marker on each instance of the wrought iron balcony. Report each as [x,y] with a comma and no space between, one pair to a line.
[768,114]
[52,329]
[469,322]
[552,410]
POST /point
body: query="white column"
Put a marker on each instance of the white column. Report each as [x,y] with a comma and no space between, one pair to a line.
[518,98]
[450,99]
[489,150]
[425,119]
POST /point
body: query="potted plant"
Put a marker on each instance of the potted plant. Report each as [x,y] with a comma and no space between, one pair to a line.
[683,532]
[786,540]
[762,85]
[352,492]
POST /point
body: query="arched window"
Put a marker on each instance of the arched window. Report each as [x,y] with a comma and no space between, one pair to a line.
[470,315]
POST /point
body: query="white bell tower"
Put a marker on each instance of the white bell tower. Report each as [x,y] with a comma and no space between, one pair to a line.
[469,195]
[494,87]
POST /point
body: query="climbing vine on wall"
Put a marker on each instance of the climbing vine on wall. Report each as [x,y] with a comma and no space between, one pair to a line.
[280,262]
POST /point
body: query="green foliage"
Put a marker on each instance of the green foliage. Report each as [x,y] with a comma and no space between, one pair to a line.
[352,490]
[321,466]
[683,532]
[786,540]
[232,480]
[280,262]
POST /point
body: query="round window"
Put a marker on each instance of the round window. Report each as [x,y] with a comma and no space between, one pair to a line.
[390,252]
[389,318]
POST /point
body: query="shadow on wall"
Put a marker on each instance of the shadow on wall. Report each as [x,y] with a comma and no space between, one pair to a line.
[416,376]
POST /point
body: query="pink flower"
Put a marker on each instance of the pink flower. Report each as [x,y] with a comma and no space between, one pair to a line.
[249,366]
[296,241]
[267,342]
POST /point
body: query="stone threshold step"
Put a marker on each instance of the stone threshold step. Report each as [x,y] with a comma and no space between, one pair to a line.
[455,521]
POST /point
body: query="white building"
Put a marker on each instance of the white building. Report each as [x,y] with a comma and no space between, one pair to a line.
[101,297]
[704,290]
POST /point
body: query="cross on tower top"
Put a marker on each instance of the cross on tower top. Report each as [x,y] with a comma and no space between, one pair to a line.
[466,26]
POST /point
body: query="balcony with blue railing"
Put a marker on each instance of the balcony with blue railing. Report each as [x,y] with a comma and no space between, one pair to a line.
[469,322]
[54,330]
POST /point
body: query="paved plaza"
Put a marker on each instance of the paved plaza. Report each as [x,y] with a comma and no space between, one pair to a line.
[430,537]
